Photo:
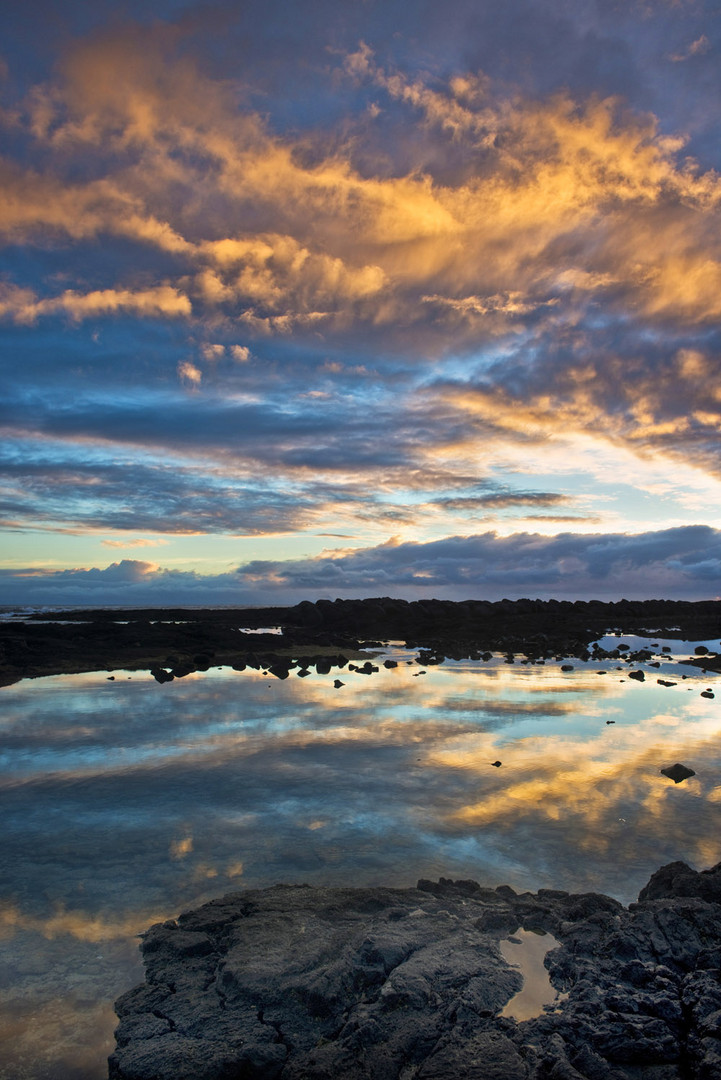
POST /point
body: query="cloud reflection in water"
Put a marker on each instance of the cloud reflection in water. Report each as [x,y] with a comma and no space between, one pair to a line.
[127,801]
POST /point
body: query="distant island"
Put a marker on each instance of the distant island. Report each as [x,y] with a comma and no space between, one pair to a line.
[173,642]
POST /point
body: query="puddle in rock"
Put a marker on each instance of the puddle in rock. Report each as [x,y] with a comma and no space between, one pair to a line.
[526,951]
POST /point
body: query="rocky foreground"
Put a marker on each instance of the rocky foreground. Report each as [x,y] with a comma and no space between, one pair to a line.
[407,984]
[172,643]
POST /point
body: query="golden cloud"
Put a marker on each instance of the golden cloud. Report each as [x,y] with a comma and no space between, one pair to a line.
[23,306]
[569,202]
[556,158]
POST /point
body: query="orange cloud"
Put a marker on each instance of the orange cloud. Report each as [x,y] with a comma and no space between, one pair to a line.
[568,201]
[190,373]
[23,306]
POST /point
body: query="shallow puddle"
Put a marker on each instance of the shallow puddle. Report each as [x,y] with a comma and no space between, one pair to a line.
[526,950]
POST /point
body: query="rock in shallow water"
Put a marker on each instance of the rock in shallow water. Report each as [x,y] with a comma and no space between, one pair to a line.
[678,772]
[407,984]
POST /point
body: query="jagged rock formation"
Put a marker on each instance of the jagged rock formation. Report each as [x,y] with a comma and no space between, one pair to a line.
[407,984]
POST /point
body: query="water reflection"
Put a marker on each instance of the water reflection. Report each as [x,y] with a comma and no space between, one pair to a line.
[125,801]
[527,950]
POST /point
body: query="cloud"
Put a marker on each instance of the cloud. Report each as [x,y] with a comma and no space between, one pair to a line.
[562,207]
[50,482]
[139,542]
[23,306]
[699,47]
[671,563]
[596,565]
[656,396]
[502,499]
[367,306]
[189,373]
[559,187]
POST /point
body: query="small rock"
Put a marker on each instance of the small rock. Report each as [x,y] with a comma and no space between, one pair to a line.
[161,675]
[678,772]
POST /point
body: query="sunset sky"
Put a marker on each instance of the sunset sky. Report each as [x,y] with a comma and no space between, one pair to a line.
[360,298]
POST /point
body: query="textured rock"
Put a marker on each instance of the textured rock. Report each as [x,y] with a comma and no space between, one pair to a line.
[301,983]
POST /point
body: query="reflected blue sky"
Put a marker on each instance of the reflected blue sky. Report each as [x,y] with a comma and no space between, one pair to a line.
[125,801]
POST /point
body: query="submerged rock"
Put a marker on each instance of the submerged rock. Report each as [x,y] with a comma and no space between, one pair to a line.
[296,982]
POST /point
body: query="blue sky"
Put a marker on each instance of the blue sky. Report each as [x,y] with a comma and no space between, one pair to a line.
[358,298]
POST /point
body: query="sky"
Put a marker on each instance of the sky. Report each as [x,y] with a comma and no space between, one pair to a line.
[359,298]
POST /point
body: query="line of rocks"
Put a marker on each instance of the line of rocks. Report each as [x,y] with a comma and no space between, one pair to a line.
[297,982]
[176,642]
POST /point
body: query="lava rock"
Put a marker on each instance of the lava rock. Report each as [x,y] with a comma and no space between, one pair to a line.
[301,983]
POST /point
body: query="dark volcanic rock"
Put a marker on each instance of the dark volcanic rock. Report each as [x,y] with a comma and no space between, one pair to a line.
[71,641]
[678,772]
[677,879]
[300,983]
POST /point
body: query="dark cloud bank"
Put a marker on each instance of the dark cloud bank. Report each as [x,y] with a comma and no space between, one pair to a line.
[680,563]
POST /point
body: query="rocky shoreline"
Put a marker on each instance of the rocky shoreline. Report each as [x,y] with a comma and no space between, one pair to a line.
[297,982]
[172,643]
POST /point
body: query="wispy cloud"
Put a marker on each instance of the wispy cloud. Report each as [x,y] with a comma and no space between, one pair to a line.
[699,47]
[139,542]
[23,306]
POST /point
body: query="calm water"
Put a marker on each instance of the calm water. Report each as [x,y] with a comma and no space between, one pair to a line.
[126,801]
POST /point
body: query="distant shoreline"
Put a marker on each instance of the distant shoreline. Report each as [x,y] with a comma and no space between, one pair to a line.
[172,642]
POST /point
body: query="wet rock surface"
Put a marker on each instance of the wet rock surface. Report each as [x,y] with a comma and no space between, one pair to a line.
[407,984]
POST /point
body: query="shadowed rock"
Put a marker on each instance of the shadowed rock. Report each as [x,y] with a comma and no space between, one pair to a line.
[72,641]
[300,983]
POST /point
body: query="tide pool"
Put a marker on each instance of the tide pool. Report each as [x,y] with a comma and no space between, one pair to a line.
[125,801]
